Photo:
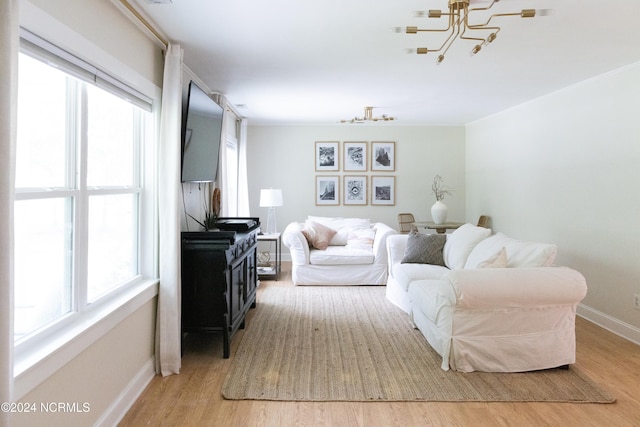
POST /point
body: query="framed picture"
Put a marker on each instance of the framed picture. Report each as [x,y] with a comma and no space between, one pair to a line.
[383,190]
[327,156]
[327,190]
[355,190]
[383,156]
[354,156]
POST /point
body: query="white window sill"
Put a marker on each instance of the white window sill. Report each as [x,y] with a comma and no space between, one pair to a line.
[36,365]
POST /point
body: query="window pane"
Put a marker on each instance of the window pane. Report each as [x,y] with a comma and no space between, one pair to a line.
[43,266]
[41,154]
[111,140]
[113,236]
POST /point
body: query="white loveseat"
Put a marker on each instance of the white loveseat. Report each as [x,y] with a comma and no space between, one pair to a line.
[354,251]
[496,305]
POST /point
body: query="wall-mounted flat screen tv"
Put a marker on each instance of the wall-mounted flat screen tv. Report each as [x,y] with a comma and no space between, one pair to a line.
[201,136]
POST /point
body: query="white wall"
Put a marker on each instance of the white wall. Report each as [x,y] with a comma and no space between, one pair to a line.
[565,169]
[100,377]
[283,157]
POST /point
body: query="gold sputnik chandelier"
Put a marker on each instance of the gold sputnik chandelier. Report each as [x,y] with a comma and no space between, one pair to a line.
[368,117]
[461,27]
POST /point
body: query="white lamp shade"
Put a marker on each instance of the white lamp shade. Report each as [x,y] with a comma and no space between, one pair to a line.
[270,197]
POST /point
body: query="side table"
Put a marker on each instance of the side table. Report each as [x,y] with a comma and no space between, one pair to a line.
[440,228]
[270,269]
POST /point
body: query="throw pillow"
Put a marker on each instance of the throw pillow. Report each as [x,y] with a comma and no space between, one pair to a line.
[461,242]
[499,260]
[424,248]
[521,253]
[488,248]
[317,235]
[531,254]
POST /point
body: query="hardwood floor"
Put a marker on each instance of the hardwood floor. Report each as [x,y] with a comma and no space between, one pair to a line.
[193,397]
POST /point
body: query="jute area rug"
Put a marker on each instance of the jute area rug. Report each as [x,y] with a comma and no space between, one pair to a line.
[351,344]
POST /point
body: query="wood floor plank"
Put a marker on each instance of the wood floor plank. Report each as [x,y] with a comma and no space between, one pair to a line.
[193,397]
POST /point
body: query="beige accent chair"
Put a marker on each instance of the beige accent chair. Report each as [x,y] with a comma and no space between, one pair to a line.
[405,221]
[483,221]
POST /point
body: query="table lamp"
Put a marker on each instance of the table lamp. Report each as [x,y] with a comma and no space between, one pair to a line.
[270,198]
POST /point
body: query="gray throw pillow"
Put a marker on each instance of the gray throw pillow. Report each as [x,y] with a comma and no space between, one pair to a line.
[424,249]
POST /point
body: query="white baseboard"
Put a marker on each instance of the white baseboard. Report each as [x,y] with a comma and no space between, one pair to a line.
[125,400]
[609,323]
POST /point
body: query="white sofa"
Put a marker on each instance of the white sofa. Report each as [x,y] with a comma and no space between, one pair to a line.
[354,254]
[517,316]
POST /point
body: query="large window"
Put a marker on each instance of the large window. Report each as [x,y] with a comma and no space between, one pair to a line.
[79,187]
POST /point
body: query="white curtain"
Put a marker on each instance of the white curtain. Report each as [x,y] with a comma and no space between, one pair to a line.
[168,330]
[222,182]
[8,123]
[243,182]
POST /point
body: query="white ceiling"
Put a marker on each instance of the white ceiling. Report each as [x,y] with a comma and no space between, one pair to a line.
[304,61]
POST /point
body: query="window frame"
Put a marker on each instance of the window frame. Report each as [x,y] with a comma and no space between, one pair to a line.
[43,352]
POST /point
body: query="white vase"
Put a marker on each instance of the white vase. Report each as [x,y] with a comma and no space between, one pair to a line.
[439,212]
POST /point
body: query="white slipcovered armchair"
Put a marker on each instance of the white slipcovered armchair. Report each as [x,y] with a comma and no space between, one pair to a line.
[355,254]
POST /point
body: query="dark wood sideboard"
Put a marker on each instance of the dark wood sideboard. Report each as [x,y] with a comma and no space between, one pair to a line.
[219,281]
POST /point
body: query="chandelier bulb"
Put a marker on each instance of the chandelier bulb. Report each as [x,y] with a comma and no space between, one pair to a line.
[475,50]
[545,12]
[440,59]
